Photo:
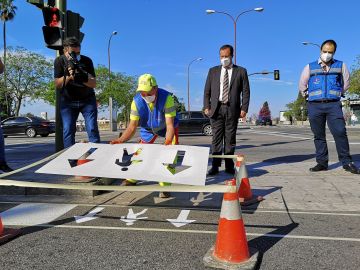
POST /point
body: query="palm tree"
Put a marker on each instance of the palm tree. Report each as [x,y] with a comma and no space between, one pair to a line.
[7,13]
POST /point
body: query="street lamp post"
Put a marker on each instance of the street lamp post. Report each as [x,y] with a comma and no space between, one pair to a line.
[188,80]
[234,20]
[110,98]
[302,115]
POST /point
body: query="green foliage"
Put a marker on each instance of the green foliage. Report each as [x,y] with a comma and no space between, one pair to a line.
[180,106]
[294,109]
[122,90]
[354,89]
[28,76]
[7,10]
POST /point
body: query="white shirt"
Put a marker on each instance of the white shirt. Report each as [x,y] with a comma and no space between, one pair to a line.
[222,79]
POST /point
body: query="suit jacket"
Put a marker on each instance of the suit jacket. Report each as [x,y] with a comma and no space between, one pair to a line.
[239,92]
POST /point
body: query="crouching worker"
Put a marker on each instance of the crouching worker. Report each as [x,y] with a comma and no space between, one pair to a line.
[152,109]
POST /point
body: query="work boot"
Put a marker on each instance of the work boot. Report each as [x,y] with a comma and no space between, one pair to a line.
[5,168]
[127,183]
[351,168]
[164,194]
[318,168]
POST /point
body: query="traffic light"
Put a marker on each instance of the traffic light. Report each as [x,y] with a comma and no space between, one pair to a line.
[73,24]
[276,74]
[53,29]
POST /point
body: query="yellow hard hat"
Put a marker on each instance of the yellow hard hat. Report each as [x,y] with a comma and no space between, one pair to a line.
[146,82]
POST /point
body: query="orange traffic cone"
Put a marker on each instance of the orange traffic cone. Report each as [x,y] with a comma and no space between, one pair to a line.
[7,234]
[231,249]
[246,196]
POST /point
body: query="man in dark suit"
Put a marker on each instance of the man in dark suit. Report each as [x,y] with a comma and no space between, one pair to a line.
[226,98]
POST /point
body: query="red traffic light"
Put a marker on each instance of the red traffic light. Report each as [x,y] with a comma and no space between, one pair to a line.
[52,17]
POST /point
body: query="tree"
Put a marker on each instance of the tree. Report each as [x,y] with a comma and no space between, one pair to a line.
[7,13]
[265,111]
[122,91]
[294,109]
[29,75]
[180,106]
[355,79]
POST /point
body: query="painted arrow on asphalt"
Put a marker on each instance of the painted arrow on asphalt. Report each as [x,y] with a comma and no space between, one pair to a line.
[181,219]
[177,166]
[89,216]
[132,217]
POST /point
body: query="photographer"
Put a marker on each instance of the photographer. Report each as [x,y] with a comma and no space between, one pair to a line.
[75,79]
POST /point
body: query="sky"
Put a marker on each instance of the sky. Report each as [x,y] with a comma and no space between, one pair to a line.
[162,37]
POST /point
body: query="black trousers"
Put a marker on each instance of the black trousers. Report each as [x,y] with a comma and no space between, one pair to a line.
[224,125]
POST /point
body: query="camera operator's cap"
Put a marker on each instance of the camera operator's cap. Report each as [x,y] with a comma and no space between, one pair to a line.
[146,82]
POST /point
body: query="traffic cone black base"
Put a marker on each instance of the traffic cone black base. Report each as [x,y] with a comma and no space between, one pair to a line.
[8,234]
[211,261]
[253,200]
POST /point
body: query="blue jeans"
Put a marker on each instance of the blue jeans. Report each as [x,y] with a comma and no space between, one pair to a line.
[330,113]
[2,146]
[70,112]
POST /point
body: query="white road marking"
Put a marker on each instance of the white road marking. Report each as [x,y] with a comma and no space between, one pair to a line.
[270,235]
[218,210]
[289,135]
[181,220]
[132,217]
[89,216]
[31,214]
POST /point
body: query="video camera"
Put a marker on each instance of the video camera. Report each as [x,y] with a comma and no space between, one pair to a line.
[80,75]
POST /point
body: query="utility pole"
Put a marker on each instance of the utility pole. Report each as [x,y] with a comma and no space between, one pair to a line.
[59,143]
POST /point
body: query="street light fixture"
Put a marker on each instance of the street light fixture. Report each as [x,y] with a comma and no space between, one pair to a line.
[110,98]
[188,80]
[310,43]
[212,11]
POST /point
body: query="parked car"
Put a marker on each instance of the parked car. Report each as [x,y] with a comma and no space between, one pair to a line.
[194,122]
[263,121]
[30,126]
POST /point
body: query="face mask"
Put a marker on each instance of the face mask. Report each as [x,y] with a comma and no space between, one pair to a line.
[78,57]
[326,57]
[149,99]
[225,62]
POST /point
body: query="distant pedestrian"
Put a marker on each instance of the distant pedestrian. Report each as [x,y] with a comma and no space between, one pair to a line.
[226,99]
[3,165]
[326,80]
[354,119]
[75,78]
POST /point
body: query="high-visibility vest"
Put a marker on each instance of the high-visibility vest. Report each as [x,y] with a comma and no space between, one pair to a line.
[325,85]
[153,122]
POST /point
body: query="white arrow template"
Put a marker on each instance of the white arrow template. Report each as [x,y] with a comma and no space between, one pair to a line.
[132,217]
[107,161]
[89,216]
[181,219]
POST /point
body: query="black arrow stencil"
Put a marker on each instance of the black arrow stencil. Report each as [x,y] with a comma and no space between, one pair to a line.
[177,166]
[83,159]
[126,159]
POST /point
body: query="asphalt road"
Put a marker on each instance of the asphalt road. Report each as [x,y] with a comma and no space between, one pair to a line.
[293,239]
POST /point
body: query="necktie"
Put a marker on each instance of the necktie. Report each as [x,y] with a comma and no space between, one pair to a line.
[225,97]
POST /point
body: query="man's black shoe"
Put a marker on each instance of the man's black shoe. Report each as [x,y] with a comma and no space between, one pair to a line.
[230,171]
[318,168]
[213,171]
[5,168]
[351,168]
